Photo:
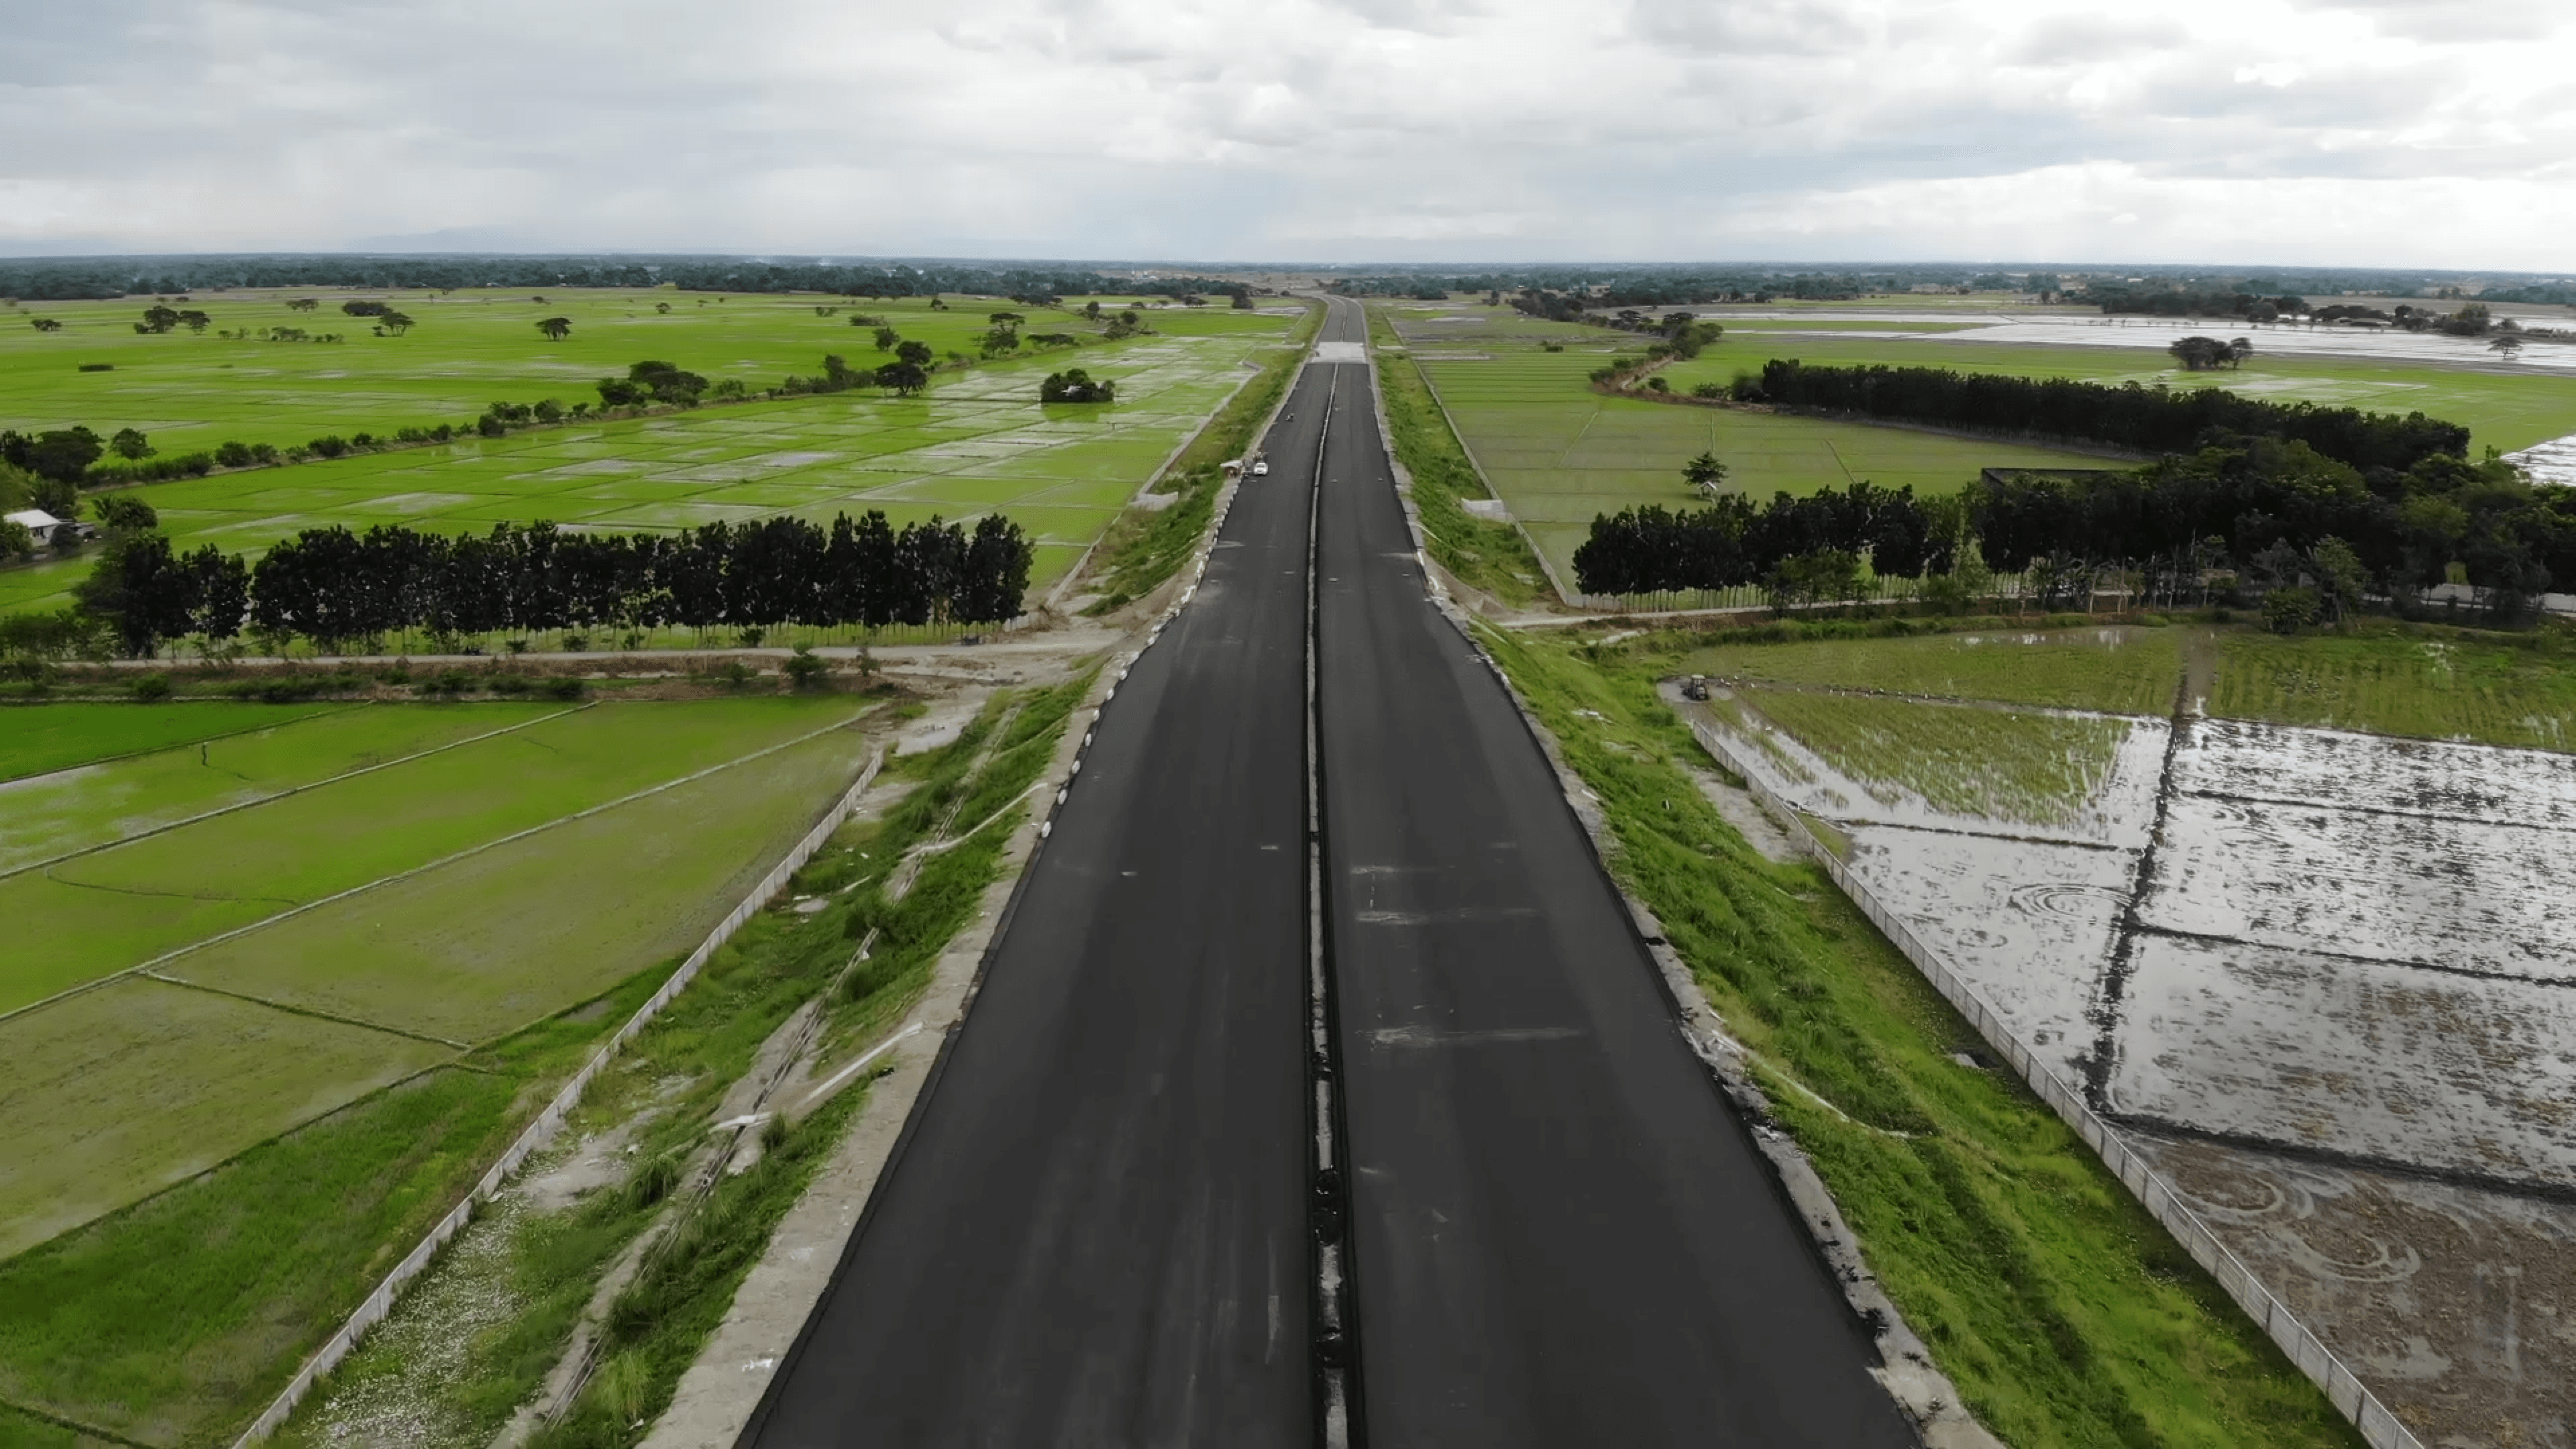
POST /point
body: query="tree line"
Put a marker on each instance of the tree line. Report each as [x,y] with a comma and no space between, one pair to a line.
[76,278]
[1734,541]
[337,587]
[2139,419]
[2266,511]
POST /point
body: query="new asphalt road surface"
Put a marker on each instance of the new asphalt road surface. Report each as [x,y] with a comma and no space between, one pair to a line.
[1563,1234]
[1096,1231]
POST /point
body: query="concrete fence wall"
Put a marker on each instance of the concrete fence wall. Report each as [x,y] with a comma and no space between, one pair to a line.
[548,1122]
[2350,1396]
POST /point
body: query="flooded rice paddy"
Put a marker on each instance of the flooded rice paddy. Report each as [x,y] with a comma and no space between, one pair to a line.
[2327,980]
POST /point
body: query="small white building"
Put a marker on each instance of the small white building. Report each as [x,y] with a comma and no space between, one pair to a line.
[40,523]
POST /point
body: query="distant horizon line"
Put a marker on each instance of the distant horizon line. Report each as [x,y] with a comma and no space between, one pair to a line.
[826,258]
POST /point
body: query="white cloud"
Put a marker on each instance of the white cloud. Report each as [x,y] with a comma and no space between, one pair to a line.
[2392,131]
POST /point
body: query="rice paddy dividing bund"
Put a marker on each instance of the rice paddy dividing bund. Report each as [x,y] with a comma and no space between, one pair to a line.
[977,442]
[500,864]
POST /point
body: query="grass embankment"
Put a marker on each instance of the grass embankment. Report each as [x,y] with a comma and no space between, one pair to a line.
[2125,669]
[1142,548]
[1481,552]
[2000,764]
[2427,681]
[59,737]
[2065,1315]
[458,1387]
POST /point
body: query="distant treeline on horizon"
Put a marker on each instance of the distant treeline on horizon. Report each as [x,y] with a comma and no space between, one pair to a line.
[66,279]
[72,278]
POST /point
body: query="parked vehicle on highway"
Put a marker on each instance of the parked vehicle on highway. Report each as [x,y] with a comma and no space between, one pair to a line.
[1261,469]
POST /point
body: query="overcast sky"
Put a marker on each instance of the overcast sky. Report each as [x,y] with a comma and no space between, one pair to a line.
[2396,132]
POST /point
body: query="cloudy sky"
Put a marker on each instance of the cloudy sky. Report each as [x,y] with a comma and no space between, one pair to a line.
[2395,132]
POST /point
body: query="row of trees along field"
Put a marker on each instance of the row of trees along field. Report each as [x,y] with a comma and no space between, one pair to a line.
[339,588]
[2139,419]
[2263,508]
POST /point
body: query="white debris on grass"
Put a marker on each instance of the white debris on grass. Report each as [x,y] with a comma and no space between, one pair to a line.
[391,1397]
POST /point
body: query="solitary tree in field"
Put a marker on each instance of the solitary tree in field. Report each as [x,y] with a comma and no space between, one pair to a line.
[301,304]
[556,328]
[1074,385]
[662,307]
[1704,474]
[45,324]
[2507,348]
[887,337]
[394,322]
[130,443]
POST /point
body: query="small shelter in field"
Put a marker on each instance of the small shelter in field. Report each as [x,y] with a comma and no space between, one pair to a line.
[47,528]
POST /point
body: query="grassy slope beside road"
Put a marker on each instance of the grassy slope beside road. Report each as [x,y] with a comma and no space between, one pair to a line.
[706,1040]
[2064,1313]
[1480,552]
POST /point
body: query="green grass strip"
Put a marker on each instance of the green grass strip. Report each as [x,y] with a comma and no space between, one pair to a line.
[2063,1312]
[1482,553]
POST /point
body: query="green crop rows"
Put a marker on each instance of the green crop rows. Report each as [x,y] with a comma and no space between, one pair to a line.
[2432,683]
[977,442]
[387,919]
[2123,670]
[36,741]
[2000,764]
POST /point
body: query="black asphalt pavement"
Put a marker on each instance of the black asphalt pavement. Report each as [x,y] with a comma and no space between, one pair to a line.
[1563,1235]
[1095,1233]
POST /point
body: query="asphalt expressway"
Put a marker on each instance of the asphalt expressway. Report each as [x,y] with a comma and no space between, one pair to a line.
[1103,1226]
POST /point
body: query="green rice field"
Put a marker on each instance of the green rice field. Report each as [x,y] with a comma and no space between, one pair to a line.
[1559,453]
[2122,670]
[2000,764]
[2431,683]
[977,442]
[469,348]
[57,737]
[377,891]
